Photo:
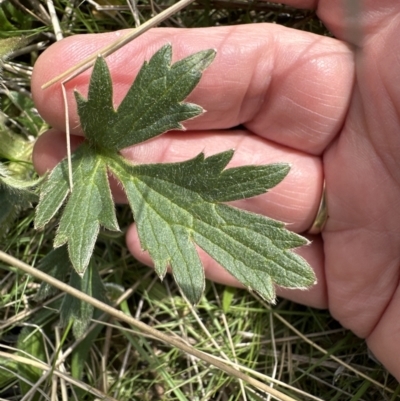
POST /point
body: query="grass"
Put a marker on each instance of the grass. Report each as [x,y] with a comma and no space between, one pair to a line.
[305,350]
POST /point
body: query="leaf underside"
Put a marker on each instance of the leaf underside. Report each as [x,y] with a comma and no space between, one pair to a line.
[176,206]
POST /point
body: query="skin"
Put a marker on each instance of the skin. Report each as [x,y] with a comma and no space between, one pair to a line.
[329,107]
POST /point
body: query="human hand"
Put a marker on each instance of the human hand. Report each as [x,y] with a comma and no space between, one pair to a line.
[327,108]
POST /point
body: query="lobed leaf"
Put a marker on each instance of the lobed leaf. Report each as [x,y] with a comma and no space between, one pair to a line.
[177,206]
[53,193]
[89,206]
[152,106]
[207,176]
[174,217]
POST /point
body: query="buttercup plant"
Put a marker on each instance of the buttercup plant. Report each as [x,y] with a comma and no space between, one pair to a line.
[176,206]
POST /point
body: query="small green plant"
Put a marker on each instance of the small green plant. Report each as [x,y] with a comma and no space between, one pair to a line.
[177,205]
[15,192]
[15,195]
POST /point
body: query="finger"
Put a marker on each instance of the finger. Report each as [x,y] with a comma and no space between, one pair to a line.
[288,86]
[363,190]
[316,296]
[354,21]
[294,201]
[386,332]
[50,148]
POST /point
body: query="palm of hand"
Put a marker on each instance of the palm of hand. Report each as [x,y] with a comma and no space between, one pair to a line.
[361,241]
[303,97]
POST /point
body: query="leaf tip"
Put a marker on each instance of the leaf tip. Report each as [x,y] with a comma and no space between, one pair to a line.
[81,273]
[37,226]
[269,296]
[209,56]
[190,299]
[160,267]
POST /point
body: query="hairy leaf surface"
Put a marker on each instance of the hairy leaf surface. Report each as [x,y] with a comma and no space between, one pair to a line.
[176,206]
[152,106]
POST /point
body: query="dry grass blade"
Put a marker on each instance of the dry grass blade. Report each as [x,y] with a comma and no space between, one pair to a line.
[143,327]
[107,50]
[323,351]
[64,376]
[54,20]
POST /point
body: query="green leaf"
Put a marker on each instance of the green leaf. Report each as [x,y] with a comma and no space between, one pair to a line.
[176,206]
[53,194]
[79,312]
[15,148]
[10,44]
[31,344]
[173,217]
[227,298]
[15,195]
[207,176]
[88,206]
[152,105]
[56,263]
[81,352]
